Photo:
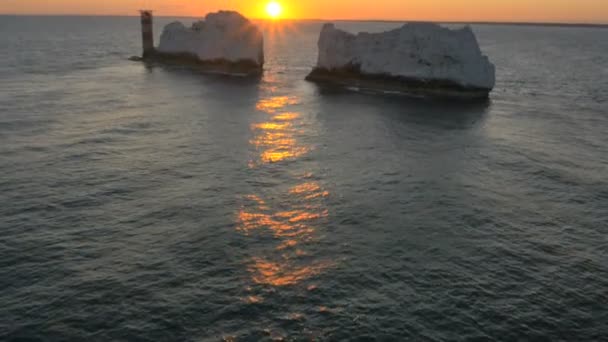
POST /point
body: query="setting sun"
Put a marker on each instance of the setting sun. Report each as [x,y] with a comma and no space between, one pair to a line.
[274,9]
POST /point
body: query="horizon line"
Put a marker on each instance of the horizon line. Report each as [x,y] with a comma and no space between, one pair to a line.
[479,22]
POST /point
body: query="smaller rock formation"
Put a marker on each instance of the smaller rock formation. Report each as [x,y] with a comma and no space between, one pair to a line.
[225,42]
[417,59]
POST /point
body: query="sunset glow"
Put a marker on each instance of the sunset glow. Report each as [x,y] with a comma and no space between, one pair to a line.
[436,10]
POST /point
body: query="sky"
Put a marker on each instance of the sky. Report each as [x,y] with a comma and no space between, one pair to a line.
[580,11]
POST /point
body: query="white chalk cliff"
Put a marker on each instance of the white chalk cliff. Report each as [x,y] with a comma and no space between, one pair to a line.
[421,51]
[222,36]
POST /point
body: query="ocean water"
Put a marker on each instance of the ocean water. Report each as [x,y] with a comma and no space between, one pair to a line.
[159,204]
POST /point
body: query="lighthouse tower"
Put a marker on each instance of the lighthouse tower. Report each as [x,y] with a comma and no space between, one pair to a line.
[147,33]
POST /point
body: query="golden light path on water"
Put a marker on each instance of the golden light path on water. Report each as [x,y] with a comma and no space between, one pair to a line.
[294,218]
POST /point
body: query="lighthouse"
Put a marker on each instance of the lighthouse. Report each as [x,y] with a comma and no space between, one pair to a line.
[147,33]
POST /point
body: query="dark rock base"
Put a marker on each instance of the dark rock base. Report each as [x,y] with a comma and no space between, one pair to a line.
[350,77]
[243,68]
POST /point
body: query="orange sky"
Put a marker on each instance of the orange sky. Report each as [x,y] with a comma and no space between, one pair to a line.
[595,11]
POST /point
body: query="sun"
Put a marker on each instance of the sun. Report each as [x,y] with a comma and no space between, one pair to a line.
[274,9]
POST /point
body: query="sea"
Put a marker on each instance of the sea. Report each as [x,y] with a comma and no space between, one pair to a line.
[157,203]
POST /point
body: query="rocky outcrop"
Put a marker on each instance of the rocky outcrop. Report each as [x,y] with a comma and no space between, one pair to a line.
[225,42]
[419,59]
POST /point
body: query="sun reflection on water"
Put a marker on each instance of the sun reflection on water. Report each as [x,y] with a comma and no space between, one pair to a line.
[272,104]
[283,274]
[310,190]
[276,139]
[293,216]
[293,231]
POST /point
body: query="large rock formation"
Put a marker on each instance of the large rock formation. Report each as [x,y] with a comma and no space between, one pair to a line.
[418,58]
[224,42]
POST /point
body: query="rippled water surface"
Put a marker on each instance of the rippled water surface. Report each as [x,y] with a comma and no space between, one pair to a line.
[158,204]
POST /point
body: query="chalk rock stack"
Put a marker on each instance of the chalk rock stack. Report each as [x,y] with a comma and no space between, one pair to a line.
[225,42]
[417,58]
